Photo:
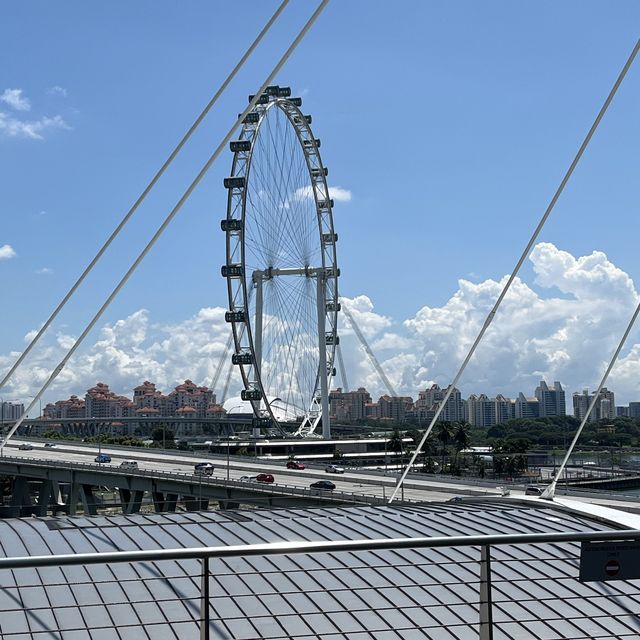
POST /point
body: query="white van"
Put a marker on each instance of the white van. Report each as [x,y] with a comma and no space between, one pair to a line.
[128,464]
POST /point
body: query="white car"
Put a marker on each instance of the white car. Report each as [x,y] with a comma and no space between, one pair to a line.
[203,469]
[331,468]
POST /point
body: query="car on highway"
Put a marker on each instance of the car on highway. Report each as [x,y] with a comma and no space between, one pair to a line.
[332,468]
[203,469]
[327,485]
[294,464]
[102,458]
[25,446]
[48,445]
[264,477]
[244,478]
[129,464]
[532,490]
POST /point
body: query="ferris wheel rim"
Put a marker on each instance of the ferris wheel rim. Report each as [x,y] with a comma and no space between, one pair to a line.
[252,375]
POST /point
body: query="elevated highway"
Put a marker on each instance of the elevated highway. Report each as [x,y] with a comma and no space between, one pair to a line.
[171,473]
[163,475]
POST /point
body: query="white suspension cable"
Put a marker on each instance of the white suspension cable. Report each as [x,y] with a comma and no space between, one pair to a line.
[550,491]
[227,383]
[143,195]
[367,349]
[525,253]
[343,371]
[221,361]
[169,218]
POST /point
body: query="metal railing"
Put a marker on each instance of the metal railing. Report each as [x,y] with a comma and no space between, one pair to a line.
[206,554]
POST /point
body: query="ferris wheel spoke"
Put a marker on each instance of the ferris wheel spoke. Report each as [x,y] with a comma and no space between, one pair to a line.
[296,337]
[288,343]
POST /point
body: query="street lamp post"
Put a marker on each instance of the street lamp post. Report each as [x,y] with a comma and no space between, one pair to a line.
[385,452]
[227,460]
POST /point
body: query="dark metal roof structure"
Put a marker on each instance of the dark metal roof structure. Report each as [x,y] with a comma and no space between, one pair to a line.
[382,595]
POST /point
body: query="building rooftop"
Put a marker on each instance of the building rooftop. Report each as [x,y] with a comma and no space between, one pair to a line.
[399,594]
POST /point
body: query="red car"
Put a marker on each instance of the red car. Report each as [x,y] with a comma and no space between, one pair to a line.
[264,477]
[292,464]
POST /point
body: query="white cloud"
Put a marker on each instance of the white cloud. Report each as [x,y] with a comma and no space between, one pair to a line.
[57,91]
[45,271]
[339,194]
[534,336]
[7,252]
[126,353]
[32,129]
[15,99]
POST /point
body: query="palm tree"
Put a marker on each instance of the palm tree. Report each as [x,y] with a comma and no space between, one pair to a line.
[461,438]
[395,443]
[444,435]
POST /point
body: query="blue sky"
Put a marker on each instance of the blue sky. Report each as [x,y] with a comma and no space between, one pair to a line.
[450,124]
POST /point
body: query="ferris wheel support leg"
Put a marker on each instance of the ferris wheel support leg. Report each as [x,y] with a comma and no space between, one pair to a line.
[322,366]
[258,339]
[258,325]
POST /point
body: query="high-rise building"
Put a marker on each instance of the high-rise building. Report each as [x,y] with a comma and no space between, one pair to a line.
[430,399]
[392,408]
[551,402]
[69,409]
[481,410]
[527,407]
[505,408]
[634,410]
[348,405]
[10,411]
[604,408]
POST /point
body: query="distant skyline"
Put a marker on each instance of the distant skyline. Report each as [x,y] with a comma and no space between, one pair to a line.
[445,126]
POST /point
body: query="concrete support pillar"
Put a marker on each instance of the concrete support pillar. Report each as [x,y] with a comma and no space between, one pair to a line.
[486,606]
[20,497]
[45,489]
[159,502]
[135,502]
[171,502]
[72,498]
[88,500]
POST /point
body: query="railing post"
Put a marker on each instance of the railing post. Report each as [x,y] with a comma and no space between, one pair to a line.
[486,613]
[204,600]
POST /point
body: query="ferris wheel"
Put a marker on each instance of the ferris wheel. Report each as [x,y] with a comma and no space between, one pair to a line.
[281,269]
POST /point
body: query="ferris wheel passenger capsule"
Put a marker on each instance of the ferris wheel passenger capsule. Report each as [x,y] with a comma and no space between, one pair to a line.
[235,316]
[316,172]
[284,92]
[240,145]
[231,225]
[235,182]
[241,358]
[251,394]
[232,271]
[296,101]
[251,118]
[263,99]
